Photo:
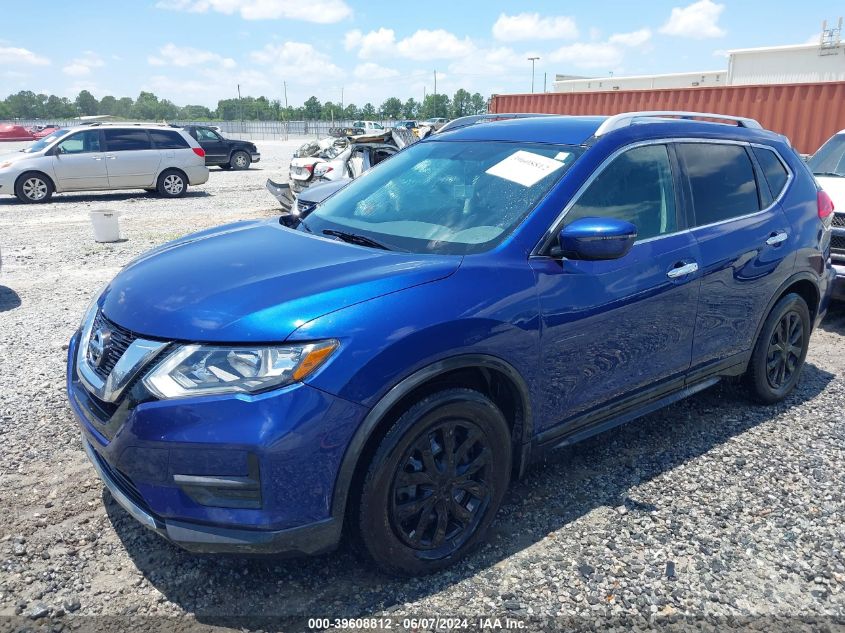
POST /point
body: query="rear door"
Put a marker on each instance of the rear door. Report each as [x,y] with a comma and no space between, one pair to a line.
[746,251]
[79,163]
[131,160]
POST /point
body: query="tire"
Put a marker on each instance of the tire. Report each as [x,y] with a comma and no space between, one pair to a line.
[780,351]
[240,160]
[411,483]
[226,166]
[172,183]
[33,187]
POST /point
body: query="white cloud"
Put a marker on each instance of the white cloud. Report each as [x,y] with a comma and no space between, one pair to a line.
[320,11]
[14,56]
[184,56]
[422,45]
[491,62]
[373,44]
[81,66]
[297,59]
[438,44]
[634,38]
[532,26]
[589,55]
[696,21]
[369,70]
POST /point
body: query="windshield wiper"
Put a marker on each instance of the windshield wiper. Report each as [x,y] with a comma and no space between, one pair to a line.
[828,173]
[354,238]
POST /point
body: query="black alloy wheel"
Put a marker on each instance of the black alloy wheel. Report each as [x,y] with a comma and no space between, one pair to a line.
[785,349]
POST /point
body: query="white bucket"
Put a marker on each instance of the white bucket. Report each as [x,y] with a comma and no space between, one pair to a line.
[106,226]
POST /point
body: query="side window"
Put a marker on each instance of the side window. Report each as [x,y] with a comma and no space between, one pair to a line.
[636,187]
[127,140]
[721,179]
[773,169]
[381,154]
[81,143]
[206,135]
[168,139]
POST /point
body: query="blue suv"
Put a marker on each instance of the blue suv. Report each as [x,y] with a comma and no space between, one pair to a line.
[392,361]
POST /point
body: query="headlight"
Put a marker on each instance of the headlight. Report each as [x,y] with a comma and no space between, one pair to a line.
[8,163]
[195,370]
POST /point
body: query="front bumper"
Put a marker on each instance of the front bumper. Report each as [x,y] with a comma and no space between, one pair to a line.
[239,474]
[255,157]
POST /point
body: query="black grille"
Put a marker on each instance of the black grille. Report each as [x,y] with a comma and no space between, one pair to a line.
[120,339]
[123,482]
[839,219]
[837,243]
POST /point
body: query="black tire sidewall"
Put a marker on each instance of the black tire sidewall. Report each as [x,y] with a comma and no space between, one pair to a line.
[375,530]
[160,184]
[246,158]
[757,378]
[19,194]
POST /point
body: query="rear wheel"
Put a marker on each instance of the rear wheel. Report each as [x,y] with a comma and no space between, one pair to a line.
[435,483]
[172,184]
[33,188]
[240,160]
[780,350]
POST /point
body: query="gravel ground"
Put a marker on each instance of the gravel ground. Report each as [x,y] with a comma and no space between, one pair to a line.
[713,510]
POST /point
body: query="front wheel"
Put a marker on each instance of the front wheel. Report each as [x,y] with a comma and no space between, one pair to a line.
[240,160]
[435,483]
[33,188]
[172,184]
[779,353]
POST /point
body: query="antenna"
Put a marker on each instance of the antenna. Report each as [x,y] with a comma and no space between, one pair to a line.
[830,39]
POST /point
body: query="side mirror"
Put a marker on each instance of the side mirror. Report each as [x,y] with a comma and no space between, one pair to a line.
[57,150]
[596,239]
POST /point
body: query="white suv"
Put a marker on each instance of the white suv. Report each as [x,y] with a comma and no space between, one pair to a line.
[105,157]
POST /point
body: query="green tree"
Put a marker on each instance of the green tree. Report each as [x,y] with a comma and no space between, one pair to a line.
[435,106]
[108,105]
[124,107]
[23,105]
[461,103]
[145,107]
[391,108]
[313,109]
[411,109]
[350,112]
[195,113]
[167,110]
[59,108]
[5,110]
[479,104]
[331,111]
[87,103]
[368,111]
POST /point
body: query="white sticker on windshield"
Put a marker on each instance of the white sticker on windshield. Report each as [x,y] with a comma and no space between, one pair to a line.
[525,168]
[562,155]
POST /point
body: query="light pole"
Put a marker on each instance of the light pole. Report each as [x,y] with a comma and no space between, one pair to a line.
[532,60]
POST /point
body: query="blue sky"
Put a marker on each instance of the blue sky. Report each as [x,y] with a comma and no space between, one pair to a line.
[197,51]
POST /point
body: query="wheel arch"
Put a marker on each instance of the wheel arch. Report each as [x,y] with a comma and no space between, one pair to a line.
[40,173]
[489,374]
[172,168]
[804,284]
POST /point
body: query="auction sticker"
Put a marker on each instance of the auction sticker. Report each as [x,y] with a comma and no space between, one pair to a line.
[525,168]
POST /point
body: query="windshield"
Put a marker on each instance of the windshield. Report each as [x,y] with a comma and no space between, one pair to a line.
[45,142]
[828,161]
[446,196]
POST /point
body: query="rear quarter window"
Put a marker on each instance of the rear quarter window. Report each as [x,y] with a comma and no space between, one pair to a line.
[721,179]
[773,169]
[127,140]
[168,139]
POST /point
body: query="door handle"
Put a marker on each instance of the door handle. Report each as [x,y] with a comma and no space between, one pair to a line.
[97,157]
[112,157]
[777,238]
[682,269]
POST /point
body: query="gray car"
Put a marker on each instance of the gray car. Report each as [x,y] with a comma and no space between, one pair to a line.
[101,157]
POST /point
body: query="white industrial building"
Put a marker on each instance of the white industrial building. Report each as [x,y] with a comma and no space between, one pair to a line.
[802,63]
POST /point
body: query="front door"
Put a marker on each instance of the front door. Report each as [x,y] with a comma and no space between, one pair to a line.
[216,151]
[617,331]
[79,164]
[131,160]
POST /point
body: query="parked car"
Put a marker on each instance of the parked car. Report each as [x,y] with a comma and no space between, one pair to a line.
[227,153]
[407,125]
[828,166]
[15,133]
[296,207]
[45,130]
[435,123]
[393,361]
[368,127]
[104,157]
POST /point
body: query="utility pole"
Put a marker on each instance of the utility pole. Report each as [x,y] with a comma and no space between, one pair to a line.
[342,114]
[435,93]
[532,60]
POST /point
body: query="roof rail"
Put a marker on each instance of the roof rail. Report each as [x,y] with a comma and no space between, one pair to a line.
[121,123]
[626,119]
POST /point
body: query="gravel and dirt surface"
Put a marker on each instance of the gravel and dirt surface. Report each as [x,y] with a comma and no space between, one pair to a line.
[713,512]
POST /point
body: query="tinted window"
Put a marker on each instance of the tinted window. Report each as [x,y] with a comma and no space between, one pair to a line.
[126,140]
[635,187]
[168,139]
[775,172]
[81,142]
[722,181]
[830,159]
[204,134]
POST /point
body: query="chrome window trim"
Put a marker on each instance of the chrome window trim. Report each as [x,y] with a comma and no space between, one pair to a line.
[138,355]
[549,235]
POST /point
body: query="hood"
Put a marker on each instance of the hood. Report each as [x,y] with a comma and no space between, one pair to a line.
[255,282]
[835,188]
[14,157]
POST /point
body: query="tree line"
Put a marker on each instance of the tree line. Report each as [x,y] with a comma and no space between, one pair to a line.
[148,107]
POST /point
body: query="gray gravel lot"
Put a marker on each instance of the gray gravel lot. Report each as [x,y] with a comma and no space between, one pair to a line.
[713,508]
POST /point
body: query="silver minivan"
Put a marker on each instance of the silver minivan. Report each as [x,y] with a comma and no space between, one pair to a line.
[101,157]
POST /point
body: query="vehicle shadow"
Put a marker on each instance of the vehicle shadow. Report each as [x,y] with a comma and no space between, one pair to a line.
[834,321]
[9,299]
[571,482]
[67,198]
